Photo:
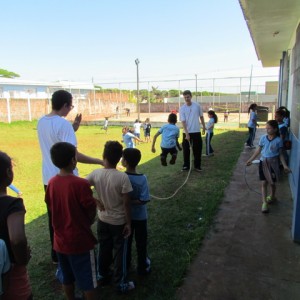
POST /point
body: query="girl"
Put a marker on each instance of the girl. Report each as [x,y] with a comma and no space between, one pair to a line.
[270,147]
[213,119]
[252,124]
[128,137]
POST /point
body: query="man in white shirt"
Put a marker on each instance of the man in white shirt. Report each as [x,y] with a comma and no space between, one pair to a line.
[54,128]
[190,116]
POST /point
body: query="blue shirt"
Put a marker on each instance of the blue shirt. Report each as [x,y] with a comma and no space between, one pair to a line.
[270,148]
[252,120]
[170,133]
[140,192]
[210,123]
[127,139]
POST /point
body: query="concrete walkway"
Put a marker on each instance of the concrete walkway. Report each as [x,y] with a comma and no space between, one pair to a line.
[247,254]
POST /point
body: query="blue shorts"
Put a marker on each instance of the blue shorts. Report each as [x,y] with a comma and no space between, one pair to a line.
[79,268]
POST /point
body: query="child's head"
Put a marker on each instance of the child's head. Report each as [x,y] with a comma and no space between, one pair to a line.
[125,129]
[63,155]
[172,119]
[252,107]
[131,157]
[112,152]
[147,120]
[212,114]
[280,115]
[6,171]
[272,128]
[61,98]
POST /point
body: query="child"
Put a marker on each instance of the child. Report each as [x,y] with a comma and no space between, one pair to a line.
[12,231]
[128,137]
[105,125]
[169,141]
[252,124]
[226,114]
[73,209]
[213,119]
[286,119]
[147,130]
[114,223]
[270,147]
[139,197]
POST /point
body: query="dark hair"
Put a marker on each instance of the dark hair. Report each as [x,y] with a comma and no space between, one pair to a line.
[62,154]
[112,152]
[287,112]
[132,156]
[252,106]
[172,118]
[274,125]
[211,112]
[281,112]
[60,98]
[5,163]
[187,92]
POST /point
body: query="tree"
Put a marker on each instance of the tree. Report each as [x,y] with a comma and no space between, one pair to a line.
[8,74]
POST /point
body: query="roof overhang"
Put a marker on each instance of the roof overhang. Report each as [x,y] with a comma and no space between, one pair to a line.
[272,24]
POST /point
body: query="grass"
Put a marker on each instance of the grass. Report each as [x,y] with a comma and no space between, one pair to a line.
[176,226]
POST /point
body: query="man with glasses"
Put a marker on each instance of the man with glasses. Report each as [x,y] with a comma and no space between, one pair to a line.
[54,128]
[190,116]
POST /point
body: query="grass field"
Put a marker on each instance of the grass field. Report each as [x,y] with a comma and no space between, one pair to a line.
[176,226]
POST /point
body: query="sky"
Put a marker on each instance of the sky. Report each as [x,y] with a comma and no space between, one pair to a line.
[93,40]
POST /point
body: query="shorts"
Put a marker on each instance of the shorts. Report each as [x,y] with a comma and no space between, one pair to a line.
[166,151]
[77,267]
[262,175]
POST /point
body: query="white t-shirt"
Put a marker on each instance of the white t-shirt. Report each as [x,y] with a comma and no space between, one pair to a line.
[191,114]
[110,184]
[137,127]
[51,130]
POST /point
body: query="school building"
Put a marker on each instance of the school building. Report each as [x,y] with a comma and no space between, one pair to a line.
[274,26]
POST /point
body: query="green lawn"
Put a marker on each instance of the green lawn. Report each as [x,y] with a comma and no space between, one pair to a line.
[176,226]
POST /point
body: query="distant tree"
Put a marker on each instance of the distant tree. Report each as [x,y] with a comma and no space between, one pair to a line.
[8,74]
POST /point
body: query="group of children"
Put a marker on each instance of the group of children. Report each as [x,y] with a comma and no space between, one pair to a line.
[272,149]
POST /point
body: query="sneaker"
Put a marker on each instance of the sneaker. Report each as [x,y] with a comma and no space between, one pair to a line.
[173,159]
[264,208]
[126,287]
[147,270]
[163,161]
[185,168]
[270,200]
[198,169]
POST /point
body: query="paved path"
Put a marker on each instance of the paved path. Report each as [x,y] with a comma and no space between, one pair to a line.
[247,254]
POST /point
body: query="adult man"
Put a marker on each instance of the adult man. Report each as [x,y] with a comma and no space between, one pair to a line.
[190,113]
[53,128]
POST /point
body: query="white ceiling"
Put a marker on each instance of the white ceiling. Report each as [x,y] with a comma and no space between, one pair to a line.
[271,24]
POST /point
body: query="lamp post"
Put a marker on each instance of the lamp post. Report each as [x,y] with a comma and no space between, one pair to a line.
[137,86]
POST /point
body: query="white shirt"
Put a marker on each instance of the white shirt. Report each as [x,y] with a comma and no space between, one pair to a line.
[51,130]
[191,114]
[137,127]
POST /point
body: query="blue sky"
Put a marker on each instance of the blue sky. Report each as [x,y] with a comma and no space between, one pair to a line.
[83,39]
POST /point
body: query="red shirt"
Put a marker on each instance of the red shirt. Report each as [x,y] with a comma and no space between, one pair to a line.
[70,200]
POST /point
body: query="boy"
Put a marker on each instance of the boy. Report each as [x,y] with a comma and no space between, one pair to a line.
[139,197]
[128,137]
[12,232]
[170,135]
[113,226]
[73,209]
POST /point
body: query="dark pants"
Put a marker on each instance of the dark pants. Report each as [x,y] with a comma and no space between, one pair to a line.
[51,231]
[208,137]
[196,144]
[112,250]
[166,151]
[251,136]
[139,231]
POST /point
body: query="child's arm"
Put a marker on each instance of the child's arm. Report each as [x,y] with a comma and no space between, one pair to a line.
[15,189]
[178,145]
[139,140]
[282,159]
[154,141]
[127,227]
[77,122]
[18,240]
[255,154]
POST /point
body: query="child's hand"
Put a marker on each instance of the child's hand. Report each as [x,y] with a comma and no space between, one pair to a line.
[127,231]
[249,163]
[100,206]
[287,170]
[153,150]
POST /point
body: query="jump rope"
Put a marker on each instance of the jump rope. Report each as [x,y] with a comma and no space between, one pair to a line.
[185,181]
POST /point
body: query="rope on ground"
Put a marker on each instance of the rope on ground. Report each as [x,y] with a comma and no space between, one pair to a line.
[177,190]
[245,177]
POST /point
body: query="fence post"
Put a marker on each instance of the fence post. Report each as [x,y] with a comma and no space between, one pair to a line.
[8,110]
[29,108]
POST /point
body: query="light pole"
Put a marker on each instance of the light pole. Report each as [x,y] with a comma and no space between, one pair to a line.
[196,88]
[137,86]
